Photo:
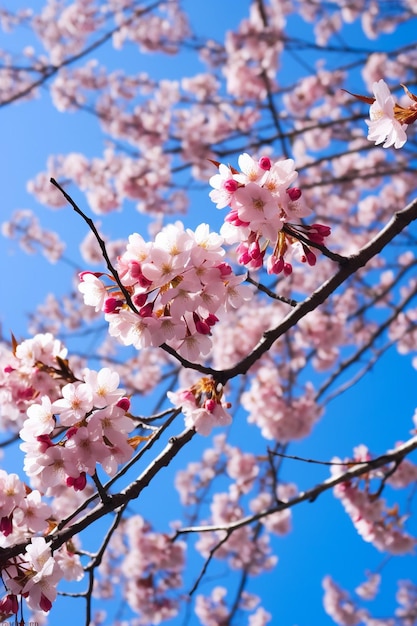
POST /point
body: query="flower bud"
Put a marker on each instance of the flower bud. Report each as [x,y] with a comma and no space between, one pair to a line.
[230,185]
[294,193]
[265,163]
[124,403]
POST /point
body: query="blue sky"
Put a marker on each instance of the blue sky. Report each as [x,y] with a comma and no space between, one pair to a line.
[324,540]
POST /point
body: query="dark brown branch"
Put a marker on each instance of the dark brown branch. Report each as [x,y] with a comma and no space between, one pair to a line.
[131,492]
[398,222]
[270,293]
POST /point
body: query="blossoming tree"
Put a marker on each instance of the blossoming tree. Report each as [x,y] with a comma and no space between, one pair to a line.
[218,342]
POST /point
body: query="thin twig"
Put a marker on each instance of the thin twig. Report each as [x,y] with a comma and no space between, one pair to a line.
[360,468]
[100,242]
[270,293]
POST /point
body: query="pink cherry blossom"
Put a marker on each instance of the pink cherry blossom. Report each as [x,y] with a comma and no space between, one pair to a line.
[76,401]
[383,127]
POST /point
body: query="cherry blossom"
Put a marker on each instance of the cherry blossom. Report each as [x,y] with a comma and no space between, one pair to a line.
[374,520]
[261,204]
[383,127]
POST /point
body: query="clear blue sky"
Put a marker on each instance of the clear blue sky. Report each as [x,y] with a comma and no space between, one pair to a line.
[324,540]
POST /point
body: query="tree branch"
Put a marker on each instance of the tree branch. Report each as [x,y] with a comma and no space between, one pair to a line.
[395,456]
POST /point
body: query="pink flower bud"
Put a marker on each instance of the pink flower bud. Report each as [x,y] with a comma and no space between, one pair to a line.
[6,525]
[147,310]
[44,603]
[112,305]
[265,163]
[71,432]
[201,327]
[78,483]
[244,258]
[315,237]
[287,269]
[210,405]
[230,185]
[124,403]
[135,269]
[294,193]
[322,229]
[225,269]
[233,218]
[9,604]
[254,250]
[243,254]
[274,265]
[309,256]
[46,442]
[139,299]
[211,320]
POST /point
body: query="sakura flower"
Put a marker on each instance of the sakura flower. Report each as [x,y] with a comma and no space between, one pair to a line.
[383,127]
[252,171]
[52,467]
[93,290]
[32,512]
[12,492]
[132,329]
[40,556]
[119,451]
[258,207]
[41,420]
[280,176]
[224,187]
[104,385]
[86,449]
[36,577]
[69,563]
[77,400]
[193,346]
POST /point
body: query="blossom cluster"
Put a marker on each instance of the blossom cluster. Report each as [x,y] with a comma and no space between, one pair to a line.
[213,609]
[35,574]
[242,549]
[32,371]
[202,405]
[277,417]
[69,423]
[345,611]
[374,520]
[173,290]
[23,512]
[149,566]
[265,213]
[87,425]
